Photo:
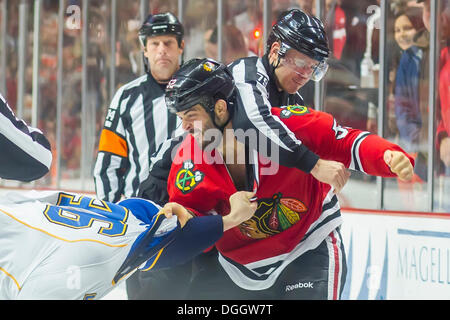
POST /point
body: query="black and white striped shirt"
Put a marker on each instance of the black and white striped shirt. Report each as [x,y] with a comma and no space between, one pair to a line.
[257,92]
[136,124]
[25,152]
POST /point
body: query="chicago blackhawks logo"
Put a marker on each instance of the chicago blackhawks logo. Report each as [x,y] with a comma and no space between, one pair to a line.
[293,110]
[273,216]
[187,179]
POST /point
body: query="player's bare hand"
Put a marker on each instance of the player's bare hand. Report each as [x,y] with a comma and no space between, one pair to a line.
[173,208]
[399,164]
[242,209]
[331,172]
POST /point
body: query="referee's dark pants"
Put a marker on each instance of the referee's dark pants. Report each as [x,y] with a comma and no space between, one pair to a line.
[317,274]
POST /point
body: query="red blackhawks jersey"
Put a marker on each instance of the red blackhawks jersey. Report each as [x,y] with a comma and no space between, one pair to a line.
[295,211]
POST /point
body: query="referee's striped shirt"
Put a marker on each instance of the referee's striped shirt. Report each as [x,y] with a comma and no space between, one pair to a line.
[136,124]
[25,153]
[257,92]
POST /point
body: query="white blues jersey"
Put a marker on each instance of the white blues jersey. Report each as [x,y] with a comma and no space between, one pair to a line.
[58,245]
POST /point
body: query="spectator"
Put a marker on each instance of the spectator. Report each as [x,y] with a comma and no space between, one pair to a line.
[411,93]
[411,96]
[443,131]
[406,25]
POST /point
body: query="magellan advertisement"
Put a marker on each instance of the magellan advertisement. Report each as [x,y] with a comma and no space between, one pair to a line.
[396,256]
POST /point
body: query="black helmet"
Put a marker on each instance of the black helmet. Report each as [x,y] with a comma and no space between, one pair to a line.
[161,24]
[306,34]
[199,81]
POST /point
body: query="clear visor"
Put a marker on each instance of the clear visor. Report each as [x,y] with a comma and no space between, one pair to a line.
[313,70]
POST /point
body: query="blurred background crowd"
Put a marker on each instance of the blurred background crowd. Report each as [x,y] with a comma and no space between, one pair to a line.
[94,66]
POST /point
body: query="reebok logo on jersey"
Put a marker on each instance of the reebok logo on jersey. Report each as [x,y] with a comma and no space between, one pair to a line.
[300,285]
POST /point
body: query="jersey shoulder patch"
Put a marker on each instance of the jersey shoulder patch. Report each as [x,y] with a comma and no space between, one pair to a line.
[187,178]
[293,110]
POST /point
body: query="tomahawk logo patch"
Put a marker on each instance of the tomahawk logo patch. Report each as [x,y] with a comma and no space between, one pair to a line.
[293,110]
[187,179]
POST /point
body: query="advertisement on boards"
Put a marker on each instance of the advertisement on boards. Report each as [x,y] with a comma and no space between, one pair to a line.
[396,256]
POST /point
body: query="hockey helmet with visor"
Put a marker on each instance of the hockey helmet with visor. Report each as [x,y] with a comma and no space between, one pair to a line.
[305,34]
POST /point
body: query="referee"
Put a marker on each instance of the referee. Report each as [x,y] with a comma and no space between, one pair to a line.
[25,152]
[296,52]
[138,121]
[136,124]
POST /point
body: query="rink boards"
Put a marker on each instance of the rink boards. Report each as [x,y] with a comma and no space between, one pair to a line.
[396,255]
[390,255]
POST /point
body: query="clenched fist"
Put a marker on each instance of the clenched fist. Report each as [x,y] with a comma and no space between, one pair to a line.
[399,164]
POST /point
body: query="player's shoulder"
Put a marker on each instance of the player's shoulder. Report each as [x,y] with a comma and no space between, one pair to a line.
[303,116]
[142,209]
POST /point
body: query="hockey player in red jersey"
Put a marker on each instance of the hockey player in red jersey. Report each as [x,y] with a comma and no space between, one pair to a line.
[291,248]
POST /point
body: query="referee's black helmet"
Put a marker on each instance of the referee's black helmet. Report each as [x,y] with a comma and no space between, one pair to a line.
[302,32]
[161,24]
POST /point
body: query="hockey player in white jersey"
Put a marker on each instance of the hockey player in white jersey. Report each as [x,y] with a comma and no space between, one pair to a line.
[60,245]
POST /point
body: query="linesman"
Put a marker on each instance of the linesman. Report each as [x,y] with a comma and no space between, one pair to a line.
[138,121]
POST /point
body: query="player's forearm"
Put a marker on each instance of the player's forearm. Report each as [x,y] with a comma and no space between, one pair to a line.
[372,152]
[230,221]
[199,234]
[233,219]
